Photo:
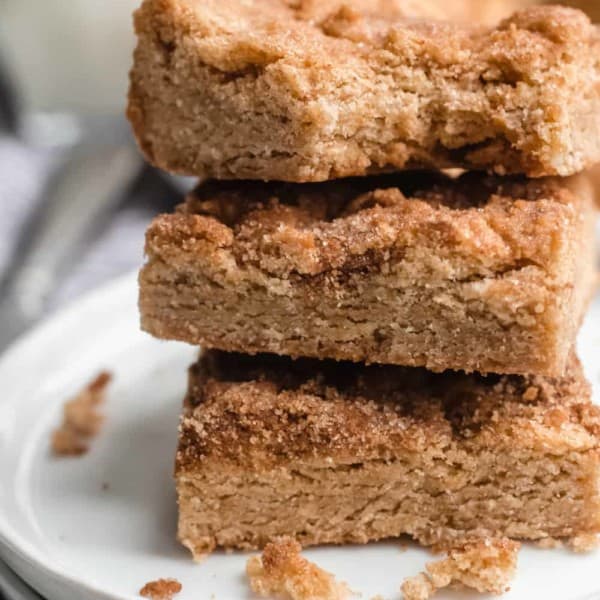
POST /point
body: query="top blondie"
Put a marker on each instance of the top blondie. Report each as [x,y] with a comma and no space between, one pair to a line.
[310,90]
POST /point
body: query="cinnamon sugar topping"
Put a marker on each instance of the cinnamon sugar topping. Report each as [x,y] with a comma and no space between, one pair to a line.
[281,408]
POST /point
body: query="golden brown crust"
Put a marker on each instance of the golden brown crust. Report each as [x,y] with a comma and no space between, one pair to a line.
[283,572]
[485,224]
[268,410]
[309,91]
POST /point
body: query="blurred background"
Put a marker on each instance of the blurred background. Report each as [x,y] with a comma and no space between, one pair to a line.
[75,194]
[69,53]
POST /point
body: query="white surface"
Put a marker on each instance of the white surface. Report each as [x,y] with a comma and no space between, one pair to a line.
[69,54]
[73,540]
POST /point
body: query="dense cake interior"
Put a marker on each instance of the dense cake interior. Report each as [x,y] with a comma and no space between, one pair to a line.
[311,91]
[420,269]
[336,453]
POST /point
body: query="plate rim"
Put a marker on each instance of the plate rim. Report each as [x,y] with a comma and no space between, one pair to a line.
[14,548]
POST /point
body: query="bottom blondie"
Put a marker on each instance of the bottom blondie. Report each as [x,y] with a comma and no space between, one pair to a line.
[335,452]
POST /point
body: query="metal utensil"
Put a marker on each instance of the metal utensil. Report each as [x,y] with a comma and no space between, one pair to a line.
[99,163]
[80,195]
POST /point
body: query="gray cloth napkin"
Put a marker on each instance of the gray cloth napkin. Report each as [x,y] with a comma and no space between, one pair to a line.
[115,248]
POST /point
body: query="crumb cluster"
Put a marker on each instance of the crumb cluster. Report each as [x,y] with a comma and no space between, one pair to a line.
[485,565]
[82,419]
[161,589]
[282,570]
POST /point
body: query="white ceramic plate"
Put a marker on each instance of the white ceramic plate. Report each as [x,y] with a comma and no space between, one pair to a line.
[74,540]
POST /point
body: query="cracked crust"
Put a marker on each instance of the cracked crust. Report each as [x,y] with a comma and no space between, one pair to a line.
[416,269]
[309,91]
[331,452]
[266,410]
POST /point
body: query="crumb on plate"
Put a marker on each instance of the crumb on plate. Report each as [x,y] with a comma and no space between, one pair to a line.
[485,565]
[585,542]
[161,589]
[81,418]
[281,570]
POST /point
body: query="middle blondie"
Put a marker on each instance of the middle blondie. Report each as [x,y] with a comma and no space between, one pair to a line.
[475,273]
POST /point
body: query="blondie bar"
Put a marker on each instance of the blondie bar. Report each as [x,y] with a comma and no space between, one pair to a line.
[334,452]
[419,269]
[298,90]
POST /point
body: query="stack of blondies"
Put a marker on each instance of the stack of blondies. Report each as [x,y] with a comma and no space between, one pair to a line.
[387,347]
